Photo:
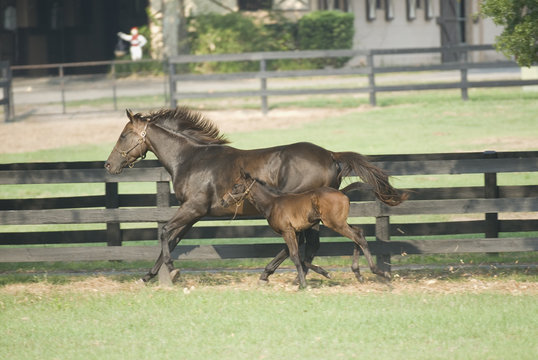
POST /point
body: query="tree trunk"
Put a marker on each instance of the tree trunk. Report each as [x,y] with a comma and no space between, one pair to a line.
[166,20]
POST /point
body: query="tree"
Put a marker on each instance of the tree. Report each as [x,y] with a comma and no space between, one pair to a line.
[167,26]
[520,21]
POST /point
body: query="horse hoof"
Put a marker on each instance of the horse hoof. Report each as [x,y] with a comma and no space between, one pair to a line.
[387,275]
[174,275]
[360,278]
[263,282]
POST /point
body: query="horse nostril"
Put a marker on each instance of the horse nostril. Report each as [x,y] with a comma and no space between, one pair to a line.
[107,165]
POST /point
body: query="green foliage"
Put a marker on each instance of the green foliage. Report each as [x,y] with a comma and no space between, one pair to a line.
[520,21]
[225,34]
[238,33]
[326,30]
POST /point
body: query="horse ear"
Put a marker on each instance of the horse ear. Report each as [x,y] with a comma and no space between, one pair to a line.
[129,114]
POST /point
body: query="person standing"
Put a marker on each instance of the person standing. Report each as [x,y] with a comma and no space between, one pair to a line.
[136,40]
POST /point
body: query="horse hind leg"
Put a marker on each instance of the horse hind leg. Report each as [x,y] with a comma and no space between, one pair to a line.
[355,264]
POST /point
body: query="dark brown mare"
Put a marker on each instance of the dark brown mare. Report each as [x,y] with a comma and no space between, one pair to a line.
[203,168]
[288,214]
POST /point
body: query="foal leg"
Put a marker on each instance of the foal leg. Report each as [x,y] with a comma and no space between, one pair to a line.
[358,238]
[291,241]
[274,264]
[311,249]
[285,253]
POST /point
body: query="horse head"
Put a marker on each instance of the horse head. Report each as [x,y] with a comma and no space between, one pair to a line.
[131,145]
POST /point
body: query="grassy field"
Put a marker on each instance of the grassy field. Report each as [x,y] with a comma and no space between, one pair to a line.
[231,318]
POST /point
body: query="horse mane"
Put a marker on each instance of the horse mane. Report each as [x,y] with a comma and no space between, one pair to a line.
[190,123]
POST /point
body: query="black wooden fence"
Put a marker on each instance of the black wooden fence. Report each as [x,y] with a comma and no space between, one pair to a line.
[489,234]
[179,92]
[5,84]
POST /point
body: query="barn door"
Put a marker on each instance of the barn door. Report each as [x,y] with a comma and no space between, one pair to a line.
[452,26]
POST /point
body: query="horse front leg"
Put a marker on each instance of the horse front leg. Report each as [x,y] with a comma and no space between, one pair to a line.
[273,265]
[311,249]
[171,235]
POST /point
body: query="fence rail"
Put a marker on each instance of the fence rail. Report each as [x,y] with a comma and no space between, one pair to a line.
[112,208]
[63,89]
[463,65]
[5,84]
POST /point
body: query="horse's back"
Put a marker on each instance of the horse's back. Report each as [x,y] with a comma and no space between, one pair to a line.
[306,166]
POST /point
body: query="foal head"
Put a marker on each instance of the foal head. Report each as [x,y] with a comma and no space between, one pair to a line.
[240,190]
[130,146]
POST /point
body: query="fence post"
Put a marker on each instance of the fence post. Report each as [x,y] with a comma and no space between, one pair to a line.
[165,87]
[463,75]
[382,236]
[172,84]
[112,201]
[8,96]
[371,77]
[114,95]
[491,191]
[162,201]
[62,86]
[263,85]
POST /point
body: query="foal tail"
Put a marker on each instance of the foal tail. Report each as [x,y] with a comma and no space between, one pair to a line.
[357,164]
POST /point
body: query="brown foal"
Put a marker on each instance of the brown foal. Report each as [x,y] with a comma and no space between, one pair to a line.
[289,214]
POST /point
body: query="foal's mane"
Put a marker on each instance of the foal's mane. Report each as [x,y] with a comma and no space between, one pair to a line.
[190,123]
[268,187]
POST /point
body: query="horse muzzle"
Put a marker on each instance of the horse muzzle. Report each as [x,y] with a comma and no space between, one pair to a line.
[112,169]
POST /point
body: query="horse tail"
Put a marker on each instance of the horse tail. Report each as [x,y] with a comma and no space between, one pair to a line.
[357,164]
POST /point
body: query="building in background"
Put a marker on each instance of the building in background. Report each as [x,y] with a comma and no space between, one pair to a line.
[60,31]
[55,31]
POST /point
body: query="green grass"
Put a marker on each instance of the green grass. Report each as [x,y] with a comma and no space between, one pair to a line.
[228,323]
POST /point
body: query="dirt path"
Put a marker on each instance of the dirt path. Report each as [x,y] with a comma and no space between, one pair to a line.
[343,282]
[39,133]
